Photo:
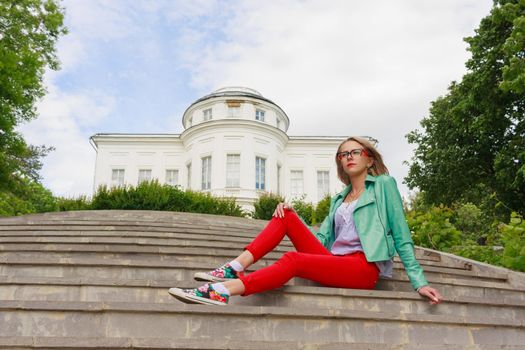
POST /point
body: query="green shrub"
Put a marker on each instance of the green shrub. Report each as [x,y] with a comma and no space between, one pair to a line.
[432,228]
[322,209]
[199,202]
[265,206]
[513,237]
[70,204]
[304,210]
[154,196]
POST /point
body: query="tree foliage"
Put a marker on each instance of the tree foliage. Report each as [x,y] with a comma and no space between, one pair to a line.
[433,228]
[514,241]
[29,30]
[468,232]
[472,146]
[30,197]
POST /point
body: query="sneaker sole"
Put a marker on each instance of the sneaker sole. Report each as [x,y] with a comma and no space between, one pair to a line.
[192,299]
[205,277]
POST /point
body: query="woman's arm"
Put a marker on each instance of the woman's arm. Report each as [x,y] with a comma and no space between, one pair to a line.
[403,241]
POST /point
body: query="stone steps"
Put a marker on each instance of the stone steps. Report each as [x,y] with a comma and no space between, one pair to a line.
[214,256]
[231,246]
[169,242]
[452,288]
[164,268]
[99,279]
[146,291]
[177,320]
[193,250]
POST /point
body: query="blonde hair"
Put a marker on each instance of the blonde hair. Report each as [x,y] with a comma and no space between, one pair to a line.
[377,168]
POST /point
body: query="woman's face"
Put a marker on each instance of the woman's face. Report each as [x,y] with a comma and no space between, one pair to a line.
[354,158]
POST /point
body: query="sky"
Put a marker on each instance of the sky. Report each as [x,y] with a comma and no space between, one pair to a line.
[337,68]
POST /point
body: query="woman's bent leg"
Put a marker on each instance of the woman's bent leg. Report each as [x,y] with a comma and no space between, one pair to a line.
[348,271]
[290,225]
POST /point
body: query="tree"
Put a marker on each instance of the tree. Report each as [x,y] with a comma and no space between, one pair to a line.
[472,146]
[29,30]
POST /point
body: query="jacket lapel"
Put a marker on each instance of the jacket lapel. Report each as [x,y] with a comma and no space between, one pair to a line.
[368,195]
[366,198]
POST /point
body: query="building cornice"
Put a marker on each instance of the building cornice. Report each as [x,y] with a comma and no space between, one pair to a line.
[242,123]
[141,138]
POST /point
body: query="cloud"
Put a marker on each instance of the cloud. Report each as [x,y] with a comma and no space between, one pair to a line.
[336,68]
[65,122]
[345,67]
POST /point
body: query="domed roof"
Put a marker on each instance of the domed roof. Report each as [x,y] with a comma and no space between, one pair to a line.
[236,90]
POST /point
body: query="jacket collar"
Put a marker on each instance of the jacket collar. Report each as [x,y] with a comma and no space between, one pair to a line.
[368,180]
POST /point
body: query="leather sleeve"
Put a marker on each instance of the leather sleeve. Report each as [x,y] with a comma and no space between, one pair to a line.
[401,233]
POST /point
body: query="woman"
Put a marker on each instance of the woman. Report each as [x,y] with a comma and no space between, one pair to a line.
[354,247]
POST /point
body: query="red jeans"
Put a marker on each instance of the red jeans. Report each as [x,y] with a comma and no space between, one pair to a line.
[311,260]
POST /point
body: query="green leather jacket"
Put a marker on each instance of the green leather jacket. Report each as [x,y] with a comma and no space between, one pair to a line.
[380,220]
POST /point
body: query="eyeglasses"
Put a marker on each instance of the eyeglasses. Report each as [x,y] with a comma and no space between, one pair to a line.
[352,154]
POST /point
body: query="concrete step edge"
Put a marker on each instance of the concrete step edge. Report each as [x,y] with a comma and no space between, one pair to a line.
[225,253]
[322,291]
[158,254]
[219,225]
[161,241]
[149,252]
[256,311]
[118,239]
[186,265]
[124,214]
[220,344]
[98,228]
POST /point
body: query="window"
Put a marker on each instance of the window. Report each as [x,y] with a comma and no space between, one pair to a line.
[207,114]
[144,175]
[296,177]
[278,122]
[206,173]
[188,172]
[259,115]
[233,170]
[172,177]
[234,112]
[323,184]
[190,121]
[117,177]
[260,173]
[278,179]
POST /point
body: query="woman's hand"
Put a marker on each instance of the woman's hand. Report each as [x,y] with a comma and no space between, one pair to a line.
[279,211]
[431,293]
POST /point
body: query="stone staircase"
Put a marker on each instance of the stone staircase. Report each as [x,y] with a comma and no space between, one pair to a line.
[99,280]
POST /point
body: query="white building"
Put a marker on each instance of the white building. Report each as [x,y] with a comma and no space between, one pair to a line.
[234,143]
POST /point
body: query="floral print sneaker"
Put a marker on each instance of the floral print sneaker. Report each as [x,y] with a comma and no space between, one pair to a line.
[221,274]
[203,295]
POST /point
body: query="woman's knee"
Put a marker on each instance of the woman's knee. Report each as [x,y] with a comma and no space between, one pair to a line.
[291,218]
[289,258]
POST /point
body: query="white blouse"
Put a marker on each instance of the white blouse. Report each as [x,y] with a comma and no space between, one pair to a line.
[347,239]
